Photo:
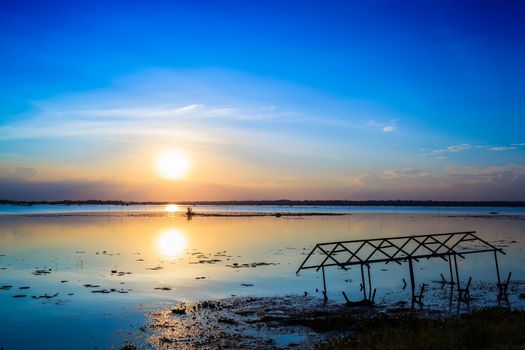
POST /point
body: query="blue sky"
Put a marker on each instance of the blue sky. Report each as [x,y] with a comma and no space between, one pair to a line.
[379,99]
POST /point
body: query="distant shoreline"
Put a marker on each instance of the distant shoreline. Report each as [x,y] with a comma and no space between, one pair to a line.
[284,202]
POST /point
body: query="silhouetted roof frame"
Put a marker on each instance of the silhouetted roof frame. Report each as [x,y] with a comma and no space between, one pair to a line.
[415,247]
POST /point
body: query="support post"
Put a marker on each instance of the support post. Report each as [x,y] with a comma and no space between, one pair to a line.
[369,284]
[324,285]
[457,272]
[450,269]
[497,266]
[363,282]
[412,282]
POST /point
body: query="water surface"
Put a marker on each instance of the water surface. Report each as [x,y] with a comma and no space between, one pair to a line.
[153,260]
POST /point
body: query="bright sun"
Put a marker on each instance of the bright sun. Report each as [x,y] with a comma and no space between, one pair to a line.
[172,164]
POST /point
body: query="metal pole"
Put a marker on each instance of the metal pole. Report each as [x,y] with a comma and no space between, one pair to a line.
[324,284]
[363,282]
[369,284]
[450,268]
[457,271]
[412,283]
[497,266]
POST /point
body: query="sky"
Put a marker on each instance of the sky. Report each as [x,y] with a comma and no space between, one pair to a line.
[266,100]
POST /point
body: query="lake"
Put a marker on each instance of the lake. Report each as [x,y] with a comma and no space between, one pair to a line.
[84,276]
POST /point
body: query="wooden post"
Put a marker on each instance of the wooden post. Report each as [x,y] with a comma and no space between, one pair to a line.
[412,282]
[450,269]
[457,272]
[369,284]
[324,285]
[363,282]
[497,266]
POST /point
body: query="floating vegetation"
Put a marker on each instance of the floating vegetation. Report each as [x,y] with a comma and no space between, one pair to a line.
[112,290]
[120,273]
[45,296]
[156,268]
[210,261]
[255,264]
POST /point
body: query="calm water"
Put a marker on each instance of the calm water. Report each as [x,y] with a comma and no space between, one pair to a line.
[173,208]
[194,260]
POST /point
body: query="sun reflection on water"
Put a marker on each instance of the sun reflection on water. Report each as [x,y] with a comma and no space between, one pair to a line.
[172,208]
[171,243]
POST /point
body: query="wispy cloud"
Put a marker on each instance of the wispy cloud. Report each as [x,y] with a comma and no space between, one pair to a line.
[501,148]
[452,149]
[406,173]
[439,153]
[226,118]
[386,127]
[17,172]
[173,101]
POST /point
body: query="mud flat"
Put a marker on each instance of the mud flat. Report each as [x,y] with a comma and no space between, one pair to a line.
[297,322]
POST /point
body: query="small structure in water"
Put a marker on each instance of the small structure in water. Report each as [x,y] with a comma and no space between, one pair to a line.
[365,252]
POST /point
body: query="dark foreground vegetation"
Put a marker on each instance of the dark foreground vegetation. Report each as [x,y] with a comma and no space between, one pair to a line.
[286,202]
[301,322]
[492,328]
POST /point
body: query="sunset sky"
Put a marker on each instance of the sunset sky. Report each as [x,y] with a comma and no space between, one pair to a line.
[280,99]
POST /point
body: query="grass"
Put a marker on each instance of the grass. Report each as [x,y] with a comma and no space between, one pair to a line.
[485,329]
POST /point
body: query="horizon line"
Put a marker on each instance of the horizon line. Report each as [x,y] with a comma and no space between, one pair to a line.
[320,202]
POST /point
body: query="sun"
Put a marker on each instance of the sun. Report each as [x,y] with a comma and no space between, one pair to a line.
[172,164]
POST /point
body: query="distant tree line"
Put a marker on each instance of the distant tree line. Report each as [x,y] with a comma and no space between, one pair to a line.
[287,202]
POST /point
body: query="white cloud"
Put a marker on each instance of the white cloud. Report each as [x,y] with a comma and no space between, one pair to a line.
[398,173]
[438,153]
[501,148]
[384,126]
[169,101]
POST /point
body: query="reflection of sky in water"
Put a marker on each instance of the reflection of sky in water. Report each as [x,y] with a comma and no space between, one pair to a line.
[194,258]
[175,208]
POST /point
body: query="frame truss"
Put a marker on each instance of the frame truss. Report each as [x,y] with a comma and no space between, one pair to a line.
[446,246]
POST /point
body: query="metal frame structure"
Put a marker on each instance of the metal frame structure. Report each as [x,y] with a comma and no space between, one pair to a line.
[447,246]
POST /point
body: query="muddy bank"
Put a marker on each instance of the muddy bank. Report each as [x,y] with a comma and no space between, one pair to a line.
[297,322]
[247,323]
